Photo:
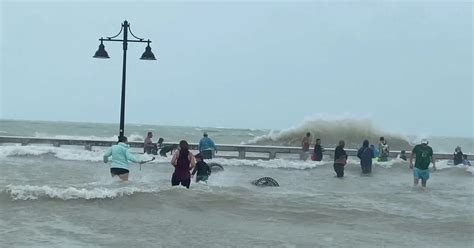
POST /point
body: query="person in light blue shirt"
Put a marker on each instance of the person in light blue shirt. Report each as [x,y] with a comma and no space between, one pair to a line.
[206,147]
[465,160]
[120,159]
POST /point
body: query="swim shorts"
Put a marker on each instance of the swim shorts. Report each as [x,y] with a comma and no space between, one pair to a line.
[421,174]
[118,171]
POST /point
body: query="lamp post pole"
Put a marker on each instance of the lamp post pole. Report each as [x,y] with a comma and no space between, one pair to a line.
[124,73]
[147,55]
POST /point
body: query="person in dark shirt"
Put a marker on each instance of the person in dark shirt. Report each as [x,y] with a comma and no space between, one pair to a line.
[458,156]
[424,156]
[203,170]
[340,159]
[365,155]
[183,162]
[318,151]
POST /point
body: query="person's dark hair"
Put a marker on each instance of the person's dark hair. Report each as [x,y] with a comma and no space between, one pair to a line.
[184,149]
[122,139]
[199,156]
[204,134]
[308,134]
[341,143]
[183,145]
[160,140]
[382,138]
[318,139]
[403,151]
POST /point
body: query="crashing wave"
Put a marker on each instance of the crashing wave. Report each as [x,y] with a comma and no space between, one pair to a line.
[352,131]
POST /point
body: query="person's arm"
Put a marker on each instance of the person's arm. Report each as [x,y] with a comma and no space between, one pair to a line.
[194,171]
[107,154]
[174,160]
[130,157]
[200,145]
[208,170]
[433,160]
[192,160]
[411,158]
[214,146]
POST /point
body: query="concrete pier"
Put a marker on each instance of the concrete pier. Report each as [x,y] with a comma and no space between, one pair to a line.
[242,151]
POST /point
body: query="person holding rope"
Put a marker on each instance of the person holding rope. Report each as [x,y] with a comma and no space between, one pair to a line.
[120,158]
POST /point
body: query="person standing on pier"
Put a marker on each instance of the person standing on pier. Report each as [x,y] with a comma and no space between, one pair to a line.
[120,159]
[206,147]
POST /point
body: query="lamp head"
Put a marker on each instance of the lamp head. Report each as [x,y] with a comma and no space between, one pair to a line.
[101,53]
[148,55]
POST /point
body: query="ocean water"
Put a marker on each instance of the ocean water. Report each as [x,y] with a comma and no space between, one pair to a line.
[65,197]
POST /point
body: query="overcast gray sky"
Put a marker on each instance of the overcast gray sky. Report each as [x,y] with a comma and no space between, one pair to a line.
[406,65]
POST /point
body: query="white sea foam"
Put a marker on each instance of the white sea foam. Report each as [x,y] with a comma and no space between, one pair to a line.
[29,192]
[65,153]
[97,156]
[131,137]
[275,163]
[61,153]
[446,164]
[75,137]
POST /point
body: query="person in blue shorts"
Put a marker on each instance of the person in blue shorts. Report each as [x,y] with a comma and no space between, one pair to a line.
[423,157]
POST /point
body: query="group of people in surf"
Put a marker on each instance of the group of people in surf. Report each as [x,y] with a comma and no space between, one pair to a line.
[183,159]
[367,153]
[381,154]
[422,153]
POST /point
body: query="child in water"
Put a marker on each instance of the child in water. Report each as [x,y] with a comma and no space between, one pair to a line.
[203,170]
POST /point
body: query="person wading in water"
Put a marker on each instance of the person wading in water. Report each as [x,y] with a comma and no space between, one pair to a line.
[183,161]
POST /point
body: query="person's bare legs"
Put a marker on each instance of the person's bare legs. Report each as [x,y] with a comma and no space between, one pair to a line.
[123,177]
[423,183]
[415,182]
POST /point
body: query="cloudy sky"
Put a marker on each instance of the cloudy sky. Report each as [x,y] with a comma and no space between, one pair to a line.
[405,65]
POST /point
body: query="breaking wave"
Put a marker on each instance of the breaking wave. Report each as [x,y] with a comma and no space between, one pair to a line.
[352,131]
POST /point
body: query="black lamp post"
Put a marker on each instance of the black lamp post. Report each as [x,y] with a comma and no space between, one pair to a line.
[102,54]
